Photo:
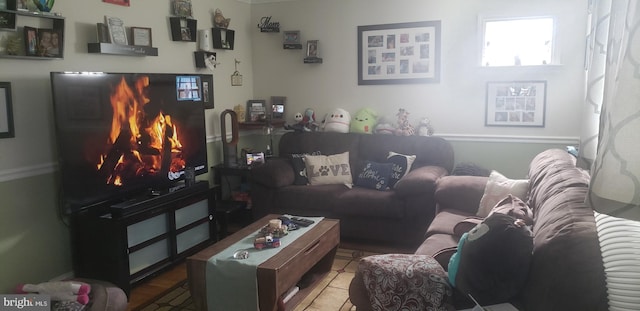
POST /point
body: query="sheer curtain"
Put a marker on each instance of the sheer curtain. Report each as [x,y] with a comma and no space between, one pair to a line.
[614,89]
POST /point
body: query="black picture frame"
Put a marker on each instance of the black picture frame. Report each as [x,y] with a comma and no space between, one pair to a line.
[516,103]
[30,41]
[401,53]
[256,110]
[8,21]
[6,111]
[278,105]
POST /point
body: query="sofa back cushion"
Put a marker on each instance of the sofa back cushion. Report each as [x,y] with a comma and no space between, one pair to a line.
[567,271]
[429,150]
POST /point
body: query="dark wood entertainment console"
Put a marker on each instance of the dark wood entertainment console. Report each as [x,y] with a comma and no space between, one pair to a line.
[127,242]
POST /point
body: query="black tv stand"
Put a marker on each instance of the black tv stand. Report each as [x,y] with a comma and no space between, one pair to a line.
[134,238]
[150,198]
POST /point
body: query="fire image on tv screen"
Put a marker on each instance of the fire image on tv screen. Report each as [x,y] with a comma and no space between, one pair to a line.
[121,133]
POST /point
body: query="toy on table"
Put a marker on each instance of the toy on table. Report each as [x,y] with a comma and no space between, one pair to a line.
[59,291]
[266,242]
[364,121]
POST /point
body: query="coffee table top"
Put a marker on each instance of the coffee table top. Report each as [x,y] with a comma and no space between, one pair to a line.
[290,249]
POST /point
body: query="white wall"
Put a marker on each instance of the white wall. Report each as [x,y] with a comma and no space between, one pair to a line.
[455,105]
[33,146]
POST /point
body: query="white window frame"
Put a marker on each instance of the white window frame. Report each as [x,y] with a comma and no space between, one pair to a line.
[482,21]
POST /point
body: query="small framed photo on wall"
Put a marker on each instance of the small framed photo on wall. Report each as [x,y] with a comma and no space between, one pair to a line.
[516,103]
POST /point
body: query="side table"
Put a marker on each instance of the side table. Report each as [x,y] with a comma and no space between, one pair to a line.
[226,207]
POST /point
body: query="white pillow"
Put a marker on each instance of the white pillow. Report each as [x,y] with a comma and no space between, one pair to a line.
[498,187]
[329,169]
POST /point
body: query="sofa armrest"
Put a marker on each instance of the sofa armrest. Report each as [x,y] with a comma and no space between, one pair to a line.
[419,180]
[460,192]
[275,173]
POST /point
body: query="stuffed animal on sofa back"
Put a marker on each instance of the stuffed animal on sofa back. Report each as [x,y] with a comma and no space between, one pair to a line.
[339,120]
[364,121]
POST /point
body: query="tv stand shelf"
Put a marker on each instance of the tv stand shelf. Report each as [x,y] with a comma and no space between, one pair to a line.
[127,241]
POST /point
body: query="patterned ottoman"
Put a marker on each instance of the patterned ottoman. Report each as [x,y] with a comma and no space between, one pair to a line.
[400,282]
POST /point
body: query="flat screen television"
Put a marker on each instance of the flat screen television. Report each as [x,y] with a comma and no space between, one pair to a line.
[122,133]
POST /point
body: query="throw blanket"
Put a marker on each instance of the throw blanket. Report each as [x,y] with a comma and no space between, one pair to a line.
[405,282]
[231,283]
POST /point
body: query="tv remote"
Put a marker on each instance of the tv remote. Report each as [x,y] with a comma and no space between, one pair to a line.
[302,221]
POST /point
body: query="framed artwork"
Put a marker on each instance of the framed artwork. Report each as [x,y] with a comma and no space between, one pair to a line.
[117,31]
[118,2]
[516,103]
[182,8]
[141,36]
[256,110]
[7,21]
[399,53]
[30,41]
[277,106]
[6,112]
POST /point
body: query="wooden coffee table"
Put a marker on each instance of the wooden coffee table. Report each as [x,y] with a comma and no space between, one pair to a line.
[311,255]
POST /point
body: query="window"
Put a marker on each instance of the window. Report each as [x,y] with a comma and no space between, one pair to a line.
[518,41]
[188,87]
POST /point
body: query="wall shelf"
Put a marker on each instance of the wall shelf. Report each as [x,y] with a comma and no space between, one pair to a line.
[223,38]
[118,49]
[57,24]
[183,29]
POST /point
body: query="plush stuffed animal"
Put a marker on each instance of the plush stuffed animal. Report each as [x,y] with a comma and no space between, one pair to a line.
[338,120]
[404,128]
[364,121]
[304,122]
[60,291]
[384,126]
[424,127]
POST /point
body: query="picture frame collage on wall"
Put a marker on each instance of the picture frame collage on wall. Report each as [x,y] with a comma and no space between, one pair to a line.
[516,103]
[399,53]
[43,42]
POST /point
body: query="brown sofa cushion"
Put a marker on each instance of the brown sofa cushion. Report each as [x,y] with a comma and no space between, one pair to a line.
[460,192]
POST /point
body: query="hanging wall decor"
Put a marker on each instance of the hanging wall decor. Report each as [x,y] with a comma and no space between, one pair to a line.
[399,53]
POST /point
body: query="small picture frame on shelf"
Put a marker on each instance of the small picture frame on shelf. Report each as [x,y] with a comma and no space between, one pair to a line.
[291,39]
[141,36]
[257,110]
[30,41]
[7,21]
[277,107]
[102,32]
[117,30]
[312,48]
[49,42]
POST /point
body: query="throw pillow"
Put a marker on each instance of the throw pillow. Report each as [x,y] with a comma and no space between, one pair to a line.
[299,169]
[329,169]
[493,260]
[375,175]
[401,166]
[497,188]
